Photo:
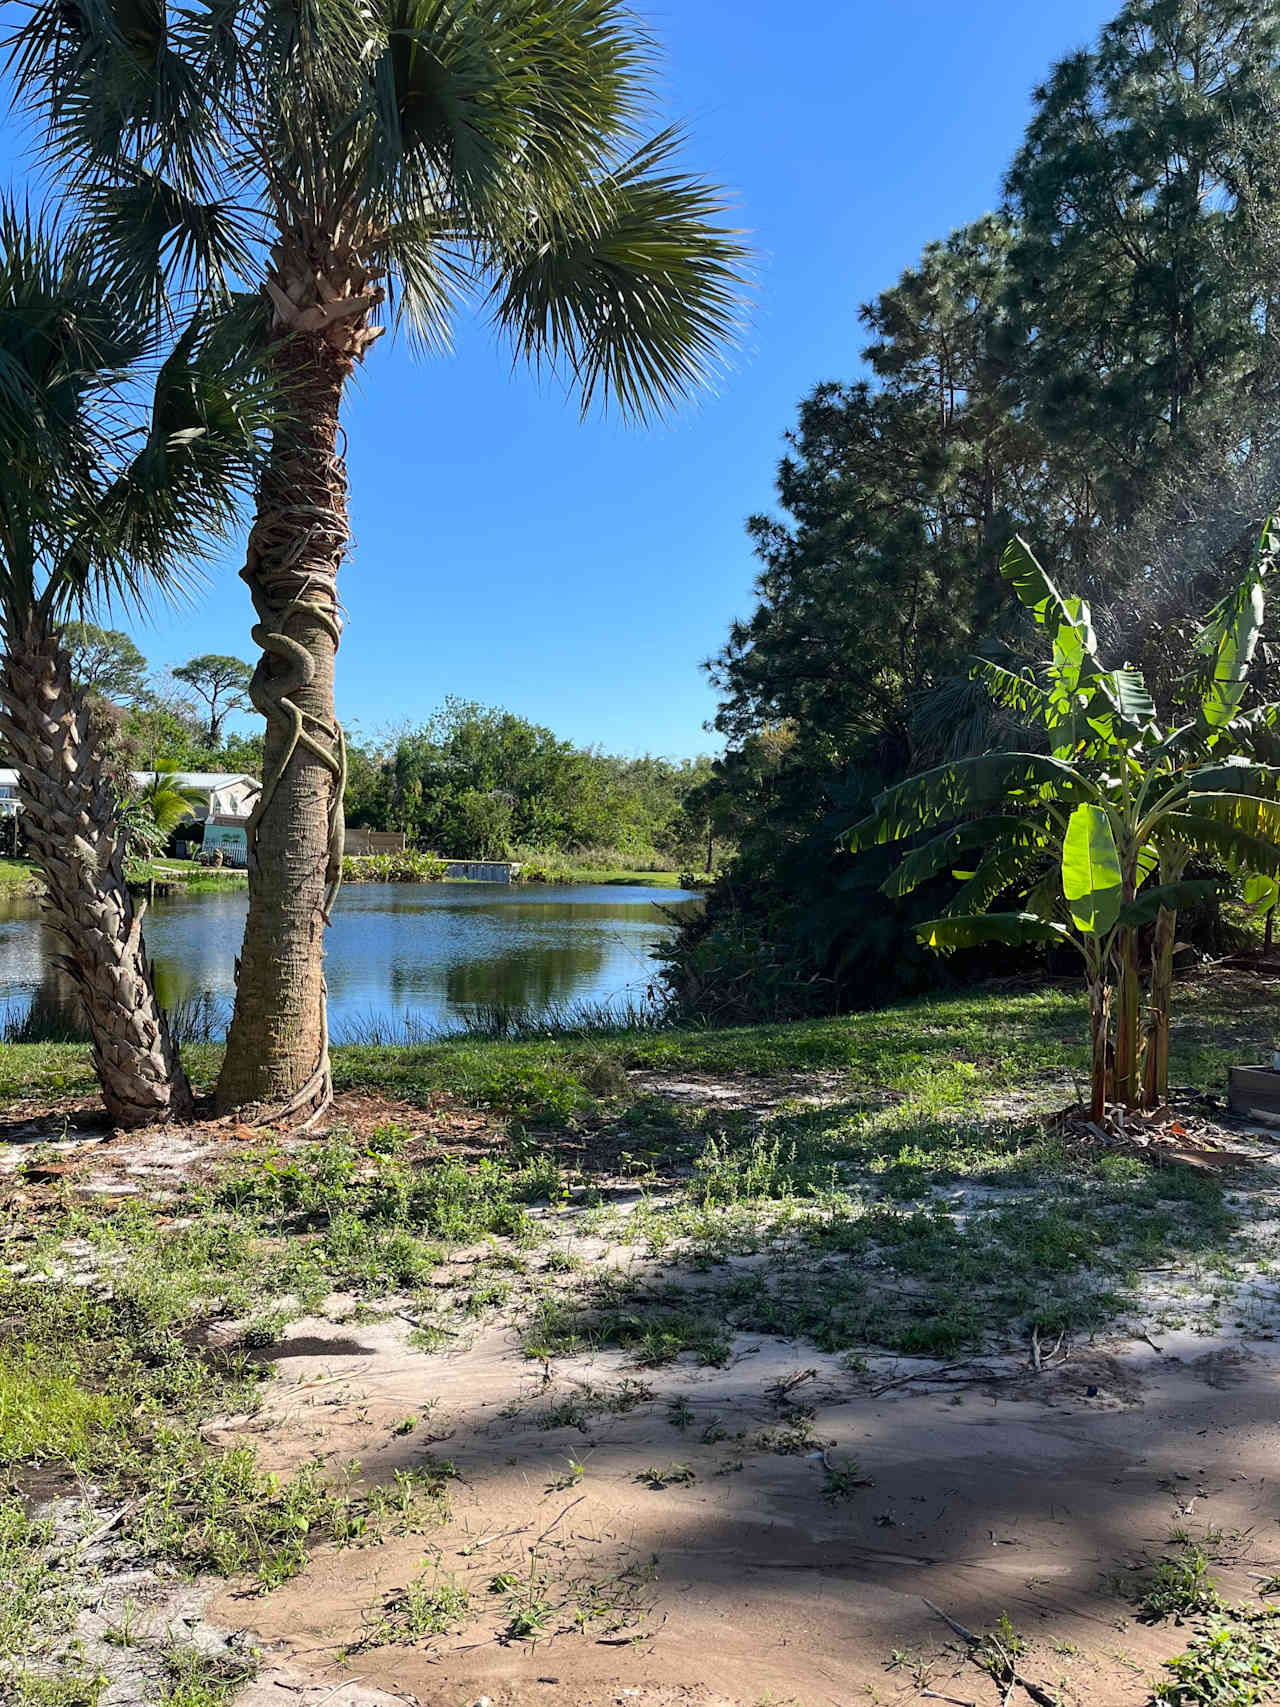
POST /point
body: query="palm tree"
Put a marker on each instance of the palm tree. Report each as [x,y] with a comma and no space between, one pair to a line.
[339,163]
[162,803]
[100,501]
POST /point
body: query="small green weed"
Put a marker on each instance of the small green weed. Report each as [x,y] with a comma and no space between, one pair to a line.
[666,1476]
[843,1481]
[1235,1663]
[1178,1588]
[430,1606]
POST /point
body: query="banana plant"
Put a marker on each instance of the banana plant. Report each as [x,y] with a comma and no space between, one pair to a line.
[1093,836]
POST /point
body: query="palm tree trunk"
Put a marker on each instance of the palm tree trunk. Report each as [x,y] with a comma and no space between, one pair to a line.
[69,819]
[277,1059]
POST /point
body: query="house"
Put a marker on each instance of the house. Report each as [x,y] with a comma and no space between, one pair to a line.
[225,794]
[221,803]
[220,806]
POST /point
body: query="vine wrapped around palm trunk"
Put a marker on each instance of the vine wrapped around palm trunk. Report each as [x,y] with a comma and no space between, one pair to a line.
[337,164]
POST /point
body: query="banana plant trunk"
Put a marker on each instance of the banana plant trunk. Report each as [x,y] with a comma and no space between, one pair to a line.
[1156,1077]
[277,1059]
[69,816]
[1100,1040]
[1128,1087]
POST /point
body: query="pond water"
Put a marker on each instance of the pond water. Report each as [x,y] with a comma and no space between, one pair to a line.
[431,953]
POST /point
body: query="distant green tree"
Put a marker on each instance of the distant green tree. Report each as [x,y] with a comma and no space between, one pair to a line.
[105,661]
[221,683]
[161,726]
[479,782]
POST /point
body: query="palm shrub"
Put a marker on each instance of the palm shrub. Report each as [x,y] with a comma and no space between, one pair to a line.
[1091,830]
[336,164]
[102,498]
[151,813]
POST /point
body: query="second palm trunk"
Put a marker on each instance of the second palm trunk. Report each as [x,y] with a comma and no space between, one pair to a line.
[69,819]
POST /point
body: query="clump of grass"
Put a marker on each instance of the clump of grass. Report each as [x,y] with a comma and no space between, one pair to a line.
[1179,1588]
[579,1408]
[655,1332]
[432,1605]
[660,1476]
[28,1608]
[842,1481]
[46,1416]
[224,1513]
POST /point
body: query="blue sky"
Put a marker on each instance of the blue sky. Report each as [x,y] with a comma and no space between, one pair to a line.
[579,573]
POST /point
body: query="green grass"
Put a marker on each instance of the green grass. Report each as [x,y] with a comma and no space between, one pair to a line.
[19,874]
[190,873]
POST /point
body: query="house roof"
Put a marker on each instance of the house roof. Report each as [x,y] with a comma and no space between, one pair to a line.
[205,780]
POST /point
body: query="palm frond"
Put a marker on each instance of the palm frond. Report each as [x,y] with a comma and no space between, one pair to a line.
[636,291]
[1010,689]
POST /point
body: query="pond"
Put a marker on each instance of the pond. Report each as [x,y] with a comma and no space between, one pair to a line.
[430,954]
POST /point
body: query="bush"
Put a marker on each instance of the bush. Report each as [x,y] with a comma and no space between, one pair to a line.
[406,867]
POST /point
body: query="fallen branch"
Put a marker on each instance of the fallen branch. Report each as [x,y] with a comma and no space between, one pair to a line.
[920,1375]
[1040,1696]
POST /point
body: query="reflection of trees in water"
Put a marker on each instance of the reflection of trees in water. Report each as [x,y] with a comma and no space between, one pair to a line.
[54,1013]
[526,978]
[528,955]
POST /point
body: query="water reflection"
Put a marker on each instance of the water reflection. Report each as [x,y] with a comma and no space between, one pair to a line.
[431,951]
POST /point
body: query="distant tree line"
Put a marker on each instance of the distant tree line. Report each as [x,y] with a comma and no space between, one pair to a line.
[1095,365]
[175,718]
[473,782]
[477,782]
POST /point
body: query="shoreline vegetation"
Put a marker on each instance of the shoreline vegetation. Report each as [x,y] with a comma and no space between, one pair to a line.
[414,867]
[22,876]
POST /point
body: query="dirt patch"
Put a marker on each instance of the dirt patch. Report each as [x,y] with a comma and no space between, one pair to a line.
[715,1545]
[791,1526]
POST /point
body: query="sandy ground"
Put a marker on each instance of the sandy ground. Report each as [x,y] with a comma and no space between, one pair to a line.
[1028,1495]
[969,1493]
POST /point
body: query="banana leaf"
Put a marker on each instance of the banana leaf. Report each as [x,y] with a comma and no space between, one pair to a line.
[1017,930]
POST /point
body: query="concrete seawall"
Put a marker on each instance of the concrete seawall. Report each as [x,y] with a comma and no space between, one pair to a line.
[479,871]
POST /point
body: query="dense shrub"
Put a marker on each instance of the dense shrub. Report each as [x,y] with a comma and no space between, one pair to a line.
[406,867]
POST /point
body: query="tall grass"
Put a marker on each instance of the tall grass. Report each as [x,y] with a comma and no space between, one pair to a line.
[42,1019]
[506,1022]
[198,1019]
[49,1019]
